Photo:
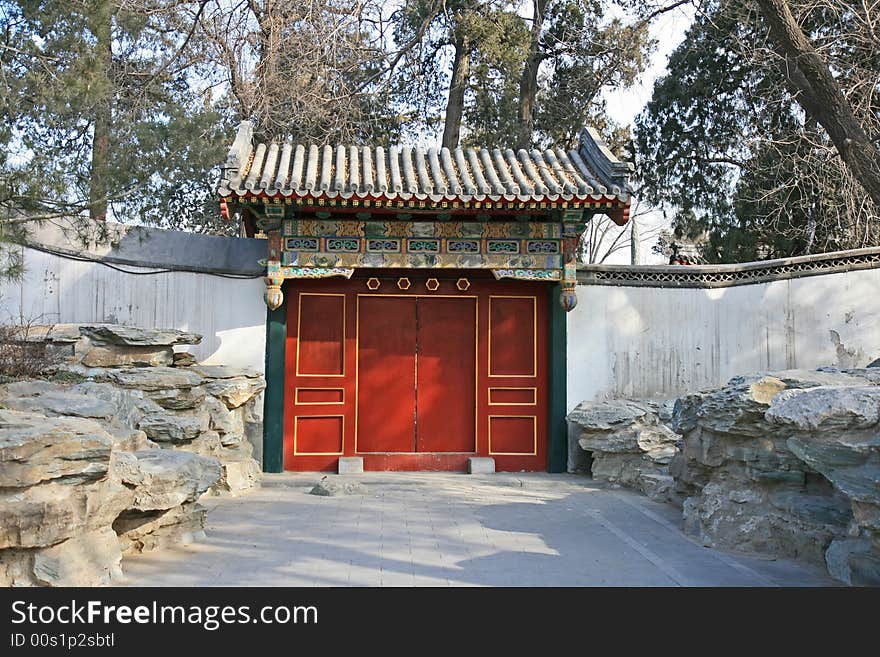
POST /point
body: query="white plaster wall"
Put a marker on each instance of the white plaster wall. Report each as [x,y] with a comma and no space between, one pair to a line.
[660,343]
[622,341]
[229,313]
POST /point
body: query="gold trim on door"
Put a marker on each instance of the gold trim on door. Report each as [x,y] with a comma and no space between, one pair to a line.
[296,419]
[299,297]
[333,403]
[534,336]
[534,401]
[534,451]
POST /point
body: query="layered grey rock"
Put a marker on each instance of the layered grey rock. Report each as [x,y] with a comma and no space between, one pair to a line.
[826,376]
[58,498]
[332,488]
[113,356]
[132,336]
[238,475]
[754,517]
[136,381]
[207,444]
[786,463]
[225,372]
[63,487]
[222,420]
[53,399]
[854,561]
[91,559]
[55,333]
[45,514]
[128,452]
[35,448]
[163,479]
[836,432]
[827,409]
[153,530]
[628,443]
[167,428]
[111,345]
[179,399]
[154,379]
[737,408]
[183,359]
[235,392]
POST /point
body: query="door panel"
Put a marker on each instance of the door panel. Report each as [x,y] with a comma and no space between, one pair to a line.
[512,339]
[446,384]
[325,396]
[321,331]
[513,435]
[386,374]
[319,434]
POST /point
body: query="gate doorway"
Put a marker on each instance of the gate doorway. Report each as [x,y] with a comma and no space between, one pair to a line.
[416,370]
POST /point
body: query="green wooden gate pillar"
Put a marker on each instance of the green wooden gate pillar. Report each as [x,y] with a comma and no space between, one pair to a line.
[557,427]
[273,400]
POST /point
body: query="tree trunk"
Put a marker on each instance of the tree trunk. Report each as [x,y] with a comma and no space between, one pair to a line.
[264,103]
[635,255]
[461,66]
[528,84]
[821,97]
[100,20]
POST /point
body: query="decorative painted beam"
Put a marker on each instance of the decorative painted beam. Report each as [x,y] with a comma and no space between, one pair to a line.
[573,231]
[277,274]
[517,250]
[528,274]
[317,272]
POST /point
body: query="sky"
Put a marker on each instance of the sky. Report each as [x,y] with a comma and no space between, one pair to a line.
[668,30]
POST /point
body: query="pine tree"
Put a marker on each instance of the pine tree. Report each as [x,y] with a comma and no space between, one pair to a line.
[102,119]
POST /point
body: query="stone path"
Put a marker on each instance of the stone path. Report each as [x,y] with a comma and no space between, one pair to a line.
[428,529]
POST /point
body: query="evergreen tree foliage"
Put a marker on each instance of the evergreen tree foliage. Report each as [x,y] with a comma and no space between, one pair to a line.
[100,113]
[725,147]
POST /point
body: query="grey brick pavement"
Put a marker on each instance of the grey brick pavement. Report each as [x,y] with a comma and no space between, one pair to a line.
[432,529]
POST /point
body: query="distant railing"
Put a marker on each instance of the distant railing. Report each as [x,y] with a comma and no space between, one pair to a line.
[713,276]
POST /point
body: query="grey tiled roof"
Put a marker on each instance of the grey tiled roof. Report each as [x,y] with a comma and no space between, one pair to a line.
[308,171]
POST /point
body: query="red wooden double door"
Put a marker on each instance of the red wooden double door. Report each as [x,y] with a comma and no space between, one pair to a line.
[414,371]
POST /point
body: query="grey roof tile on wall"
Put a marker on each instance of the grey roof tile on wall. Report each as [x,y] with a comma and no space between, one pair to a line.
[591,172]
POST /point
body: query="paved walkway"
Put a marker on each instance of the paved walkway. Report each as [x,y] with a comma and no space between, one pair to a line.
[427,529]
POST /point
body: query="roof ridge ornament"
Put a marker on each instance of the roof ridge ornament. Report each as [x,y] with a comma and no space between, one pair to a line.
[596,154]
[240,151]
